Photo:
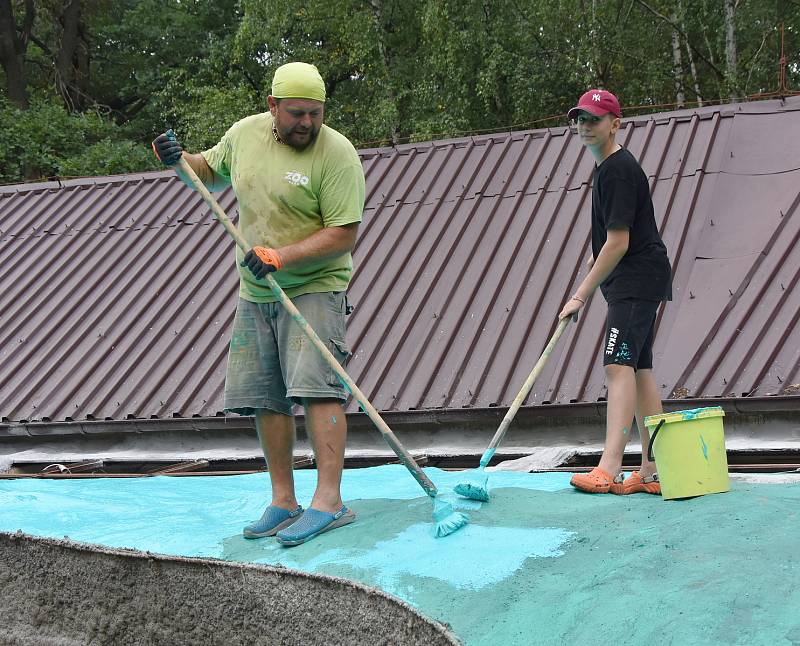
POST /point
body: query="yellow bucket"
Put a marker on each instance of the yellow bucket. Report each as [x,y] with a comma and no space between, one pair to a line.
[689,448]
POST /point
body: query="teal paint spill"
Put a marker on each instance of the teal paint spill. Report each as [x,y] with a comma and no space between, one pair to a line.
[705,448]
[695,413]
[140,512]
[415,553]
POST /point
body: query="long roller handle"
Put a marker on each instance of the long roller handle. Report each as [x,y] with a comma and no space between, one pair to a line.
[523,393]
[404,456]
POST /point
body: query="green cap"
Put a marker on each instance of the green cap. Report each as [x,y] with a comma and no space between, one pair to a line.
[298,81]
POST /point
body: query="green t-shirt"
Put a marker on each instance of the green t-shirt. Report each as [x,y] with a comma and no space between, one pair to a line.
[285,196]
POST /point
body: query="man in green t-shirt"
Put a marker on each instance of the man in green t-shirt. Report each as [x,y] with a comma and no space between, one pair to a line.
[300,189]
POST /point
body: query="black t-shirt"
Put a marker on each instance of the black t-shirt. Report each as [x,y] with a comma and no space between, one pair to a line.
[621,199]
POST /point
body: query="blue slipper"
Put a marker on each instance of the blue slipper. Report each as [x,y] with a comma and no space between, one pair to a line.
[314,522]
[272,521]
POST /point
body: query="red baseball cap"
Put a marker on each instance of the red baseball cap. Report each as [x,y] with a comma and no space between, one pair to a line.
[598,103]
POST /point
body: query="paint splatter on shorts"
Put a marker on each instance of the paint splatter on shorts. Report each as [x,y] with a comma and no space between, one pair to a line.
[629,333]
[271,362]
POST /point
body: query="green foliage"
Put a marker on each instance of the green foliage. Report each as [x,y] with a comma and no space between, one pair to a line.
[109,156]
[208,112]
[366,52]
[46,141]
[394,70]
[170,63]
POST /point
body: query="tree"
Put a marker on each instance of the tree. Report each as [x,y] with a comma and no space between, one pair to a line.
[367,52]
[731,59]
[13,45]
[44,141]
[394,70]
[136,65]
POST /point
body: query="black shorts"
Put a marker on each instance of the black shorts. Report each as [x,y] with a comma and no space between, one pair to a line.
[629,333]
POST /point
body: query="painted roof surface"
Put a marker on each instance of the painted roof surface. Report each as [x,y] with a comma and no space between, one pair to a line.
[117,293]
[539,564]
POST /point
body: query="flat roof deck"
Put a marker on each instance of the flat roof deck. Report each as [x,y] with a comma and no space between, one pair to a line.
[538,564]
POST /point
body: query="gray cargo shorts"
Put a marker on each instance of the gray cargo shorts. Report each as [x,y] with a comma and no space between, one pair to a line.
[271,362]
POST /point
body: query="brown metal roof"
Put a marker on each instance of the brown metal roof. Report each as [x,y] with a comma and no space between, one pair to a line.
[117,293]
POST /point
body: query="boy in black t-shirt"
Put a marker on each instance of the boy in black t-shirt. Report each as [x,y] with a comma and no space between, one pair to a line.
[630,265]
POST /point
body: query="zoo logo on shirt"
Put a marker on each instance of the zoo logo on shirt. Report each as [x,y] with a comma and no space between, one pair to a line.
[298,179]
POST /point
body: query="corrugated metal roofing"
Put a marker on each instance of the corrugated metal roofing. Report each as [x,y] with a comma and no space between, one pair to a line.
[118,293]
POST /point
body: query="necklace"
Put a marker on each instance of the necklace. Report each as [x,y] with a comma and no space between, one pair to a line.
[276,135]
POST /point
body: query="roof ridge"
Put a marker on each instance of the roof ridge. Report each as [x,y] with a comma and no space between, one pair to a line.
[30,187]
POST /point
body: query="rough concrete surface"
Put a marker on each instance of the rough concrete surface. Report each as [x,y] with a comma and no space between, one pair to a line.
[63,593]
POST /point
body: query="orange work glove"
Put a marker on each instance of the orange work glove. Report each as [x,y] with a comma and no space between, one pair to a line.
[261,261]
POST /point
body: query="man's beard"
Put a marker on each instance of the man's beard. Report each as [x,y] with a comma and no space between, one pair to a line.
[290,138]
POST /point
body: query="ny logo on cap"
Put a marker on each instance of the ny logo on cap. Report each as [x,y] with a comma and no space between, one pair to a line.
[595,97]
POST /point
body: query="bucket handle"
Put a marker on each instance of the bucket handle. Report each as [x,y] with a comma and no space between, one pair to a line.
[653,439]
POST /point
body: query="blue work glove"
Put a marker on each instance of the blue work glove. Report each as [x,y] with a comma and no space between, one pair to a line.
[167,148]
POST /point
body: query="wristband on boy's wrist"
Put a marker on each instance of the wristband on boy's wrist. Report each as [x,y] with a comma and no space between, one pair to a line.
[575,297]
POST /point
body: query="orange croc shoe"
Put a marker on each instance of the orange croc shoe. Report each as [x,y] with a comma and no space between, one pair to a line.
[635,483]
[596,481]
